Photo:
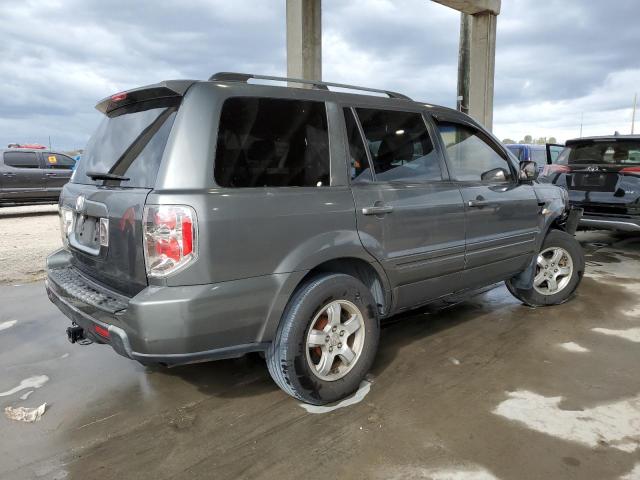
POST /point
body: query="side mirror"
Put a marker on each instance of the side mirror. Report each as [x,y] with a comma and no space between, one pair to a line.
[494,175]
[528,171]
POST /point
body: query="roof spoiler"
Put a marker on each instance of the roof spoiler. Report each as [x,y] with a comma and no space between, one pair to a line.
[166,89]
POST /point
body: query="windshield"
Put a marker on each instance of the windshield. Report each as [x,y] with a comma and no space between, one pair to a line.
[130,145]
[604,153]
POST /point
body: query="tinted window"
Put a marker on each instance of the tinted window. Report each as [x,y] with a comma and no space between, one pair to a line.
[131,145]
[55,160]
[21,160]
[608,153]
[517,151]
[359,163]
[469,154]
[539,156]
[400,146]
[268,142]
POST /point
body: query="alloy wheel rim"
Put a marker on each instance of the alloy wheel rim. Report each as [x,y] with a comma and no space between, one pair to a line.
[335,340]
[554,268]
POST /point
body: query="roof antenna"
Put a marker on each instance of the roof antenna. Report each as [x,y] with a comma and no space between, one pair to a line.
[633,115]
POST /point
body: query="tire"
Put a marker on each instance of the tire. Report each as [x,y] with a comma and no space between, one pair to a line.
[543,294]
[292,362]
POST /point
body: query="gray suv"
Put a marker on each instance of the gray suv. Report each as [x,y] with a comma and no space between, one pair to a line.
[209,219]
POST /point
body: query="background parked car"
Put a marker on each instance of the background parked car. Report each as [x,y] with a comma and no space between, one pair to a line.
[602,175]
[29,175]
[535,153]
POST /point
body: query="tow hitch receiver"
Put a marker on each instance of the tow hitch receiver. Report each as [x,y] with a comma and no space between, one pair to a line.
[75,334]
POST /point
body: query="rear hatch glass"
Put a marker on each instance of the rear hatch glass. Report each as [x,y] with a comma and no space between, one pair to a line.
[108,192]
[130,145]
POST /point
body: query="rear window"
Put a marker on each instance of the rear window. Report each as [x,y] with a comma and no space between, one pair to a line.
[606,153]
[268,142]
[21,160]
[130,144]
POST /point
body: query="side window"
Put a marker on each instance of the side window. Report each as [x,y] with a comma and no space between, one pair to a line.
[400,146]
[56,160]
[359,164]
[21,160]
[269,142]
[539,156]
[470,156]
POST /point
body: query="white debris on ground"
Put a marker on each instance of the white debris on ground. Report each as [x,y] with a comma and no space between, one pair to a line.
[357,397]
[632,334]
[574,347]
[26,395]
[615,424]
[31,382]
[25,414]
[7,324]
[455,361]
[462,472]
[633,474]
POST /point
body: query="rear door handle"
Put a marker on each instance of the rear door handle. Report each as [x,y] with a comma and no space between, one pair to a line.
[50,174]
[381,210]
[9,174]
[478,203]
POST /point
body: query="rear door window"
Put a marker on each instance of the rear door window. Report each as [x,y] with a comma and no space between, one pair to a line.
[270,142]
[360,170]
[400,146]
[58,161]
[130,144]
[21,160]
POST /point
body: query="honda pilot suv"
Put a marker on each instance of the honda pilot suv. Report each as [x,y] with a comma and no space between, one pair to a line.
[209,219]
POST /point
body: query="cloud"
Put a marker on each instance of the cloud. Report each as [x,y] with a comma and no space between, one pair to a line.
[555,61]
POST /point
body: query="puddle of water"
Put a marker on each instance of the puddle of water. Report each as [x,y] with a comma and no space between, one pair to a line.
[574,347]
[7,324]
[31,382]
[613,424]
[632,334]
[357,397]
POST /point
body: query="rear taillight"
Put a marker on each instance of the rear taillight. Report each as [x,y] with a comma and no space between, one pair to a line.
[170,238]
[554,168]
[66,224]
[631,170]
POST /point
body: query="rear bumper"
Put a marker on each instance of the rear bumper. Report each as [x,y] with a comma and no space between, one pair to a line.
[167,325]
[627,224]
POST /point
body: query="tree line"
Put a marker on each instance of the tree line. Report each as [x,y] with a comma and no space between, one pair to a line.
[528,139]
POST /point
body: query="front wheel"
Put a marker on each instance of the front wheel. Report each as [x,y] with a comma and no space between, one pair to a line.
[326,341]
[558,271]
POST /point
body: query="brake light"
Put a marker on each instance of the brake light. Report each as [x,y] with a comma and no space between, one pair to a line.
[555,168]
[118,97]
[103,332]
[631,170]
[170,238]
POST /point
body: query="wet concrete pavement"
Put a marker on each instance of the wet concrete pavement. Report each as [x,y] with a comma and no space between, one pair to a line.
[483,389]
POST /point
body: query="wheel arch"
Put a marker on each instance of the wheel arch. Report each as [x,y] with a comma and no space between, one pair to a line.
[370,273]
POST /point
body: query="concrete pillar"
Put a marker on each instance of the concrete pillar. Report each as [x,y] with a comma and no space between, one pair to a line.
[482,67]
[304,39]
[476,60]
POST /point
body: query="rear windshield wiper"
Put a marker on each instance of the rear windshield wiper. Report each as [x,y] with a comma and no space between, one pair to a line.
[106,176]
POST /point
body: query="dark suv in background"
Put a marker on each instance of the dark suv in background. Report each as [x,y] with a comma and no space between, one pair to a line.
[211,219]
[602,176]
[33,175]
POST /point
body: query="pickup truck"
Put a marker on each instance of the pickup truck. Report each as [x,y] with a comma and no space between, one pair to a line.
[33,175]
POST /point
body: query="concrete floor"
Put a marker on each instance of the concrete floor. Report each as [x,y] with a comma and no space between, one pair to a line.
[483,389]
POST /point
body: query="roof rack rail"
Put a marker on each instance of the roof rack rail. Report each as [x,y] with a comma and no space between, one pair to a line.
[245,77]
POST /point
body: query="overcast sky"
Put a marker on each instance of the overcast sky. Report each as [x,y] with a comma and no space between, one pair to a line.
[556,59]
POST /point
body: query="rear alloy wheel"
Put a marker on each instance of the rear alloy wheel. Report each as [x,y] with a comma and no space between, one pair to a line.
[558,271]
[326,341]
[335,340]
